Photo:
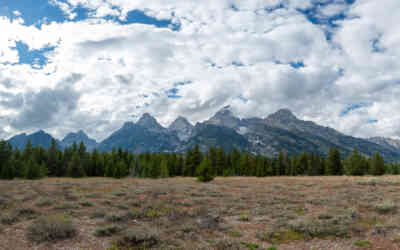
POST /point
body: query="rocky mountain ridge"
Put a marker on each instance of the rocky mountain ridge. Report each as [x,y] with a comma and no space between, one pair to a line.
[280,131]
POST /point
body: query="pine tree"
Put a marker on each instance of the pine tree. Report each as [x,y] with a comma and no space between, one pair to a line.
[19,167]
[244,164]
[5,154]
[395,170]
[302,164]
[164,172]
[75,168]
[235,159]
[7,171]
[155,168]
[281,166]
[193,160]
[377,165]
[220,162]
[212,156]
[204,171]
[120,170]
[315,165]
[354,164]
[334,164]
[109,167]
[52,160]
[32,170]
[27,154]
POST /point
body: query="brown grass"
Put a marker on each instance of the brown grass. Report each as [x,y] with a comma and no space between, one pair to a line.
[180,213]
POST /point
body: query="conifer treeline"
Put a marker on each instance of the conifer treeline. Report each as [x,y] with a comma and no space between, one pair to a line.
[36,162]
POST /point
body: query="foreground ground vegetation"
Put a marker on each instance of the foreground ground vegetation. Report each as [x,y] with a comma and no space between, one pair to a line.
[183,213]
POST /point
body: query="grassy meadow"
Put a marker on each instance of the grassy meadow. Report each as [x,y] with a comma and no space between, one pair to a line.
[181,213]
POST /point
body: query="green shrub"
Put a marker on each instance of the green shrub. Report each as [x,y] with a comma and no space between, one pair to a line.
[44,202]
[204,171]
[51,228]
[386,207]
[108,231]
[86,204]
[9,219]
[139,237]
[362,243]
[115,218]
[99,213]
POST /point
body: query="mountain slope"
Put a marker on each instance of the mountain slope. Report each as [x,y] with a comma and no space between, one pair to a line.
[207,135]
[39,138]
[280,131]
[182,128]
[77,138]
[144,136]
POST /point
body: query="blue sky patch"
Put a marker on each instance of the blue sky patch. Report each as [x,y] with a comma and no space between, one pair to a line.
[138,16]
[376,46]
[244,100]
[315,16]
[353,107]
[293,64]
[297,65]
[35,58]
[34,12]
[173,93]
[182,83]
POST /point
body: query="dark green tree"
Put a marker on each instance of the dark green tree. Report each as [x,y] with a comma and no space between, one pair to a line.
[220,161]
[164,172]
[120,170]
[52,158]
[7,171]
[302,164]
[33,170]
[204,171]
[75,168]
[333,165]
[355,164]
[377,166]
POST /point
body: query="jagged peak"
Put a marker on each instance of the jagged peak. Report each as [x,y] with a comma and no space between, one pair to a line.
[40,132]
[180,122]
[79,134]
[283,114]
[149,122]
[128,125]
[223,113]
[182,119]
[146,118]
[227,110]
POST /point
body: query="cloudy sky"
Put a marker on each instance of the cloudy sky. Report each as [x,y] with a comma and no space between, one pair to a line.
[67,65]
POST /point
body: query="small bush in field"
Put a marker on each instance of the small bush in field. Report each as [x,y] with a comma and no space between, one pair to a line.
[386,207]
[86,204]
[98,213]
[138,238]
[51,228]
[362,243]
[9,219]
[27,213]
[44,203]
[227,244]
[108,231]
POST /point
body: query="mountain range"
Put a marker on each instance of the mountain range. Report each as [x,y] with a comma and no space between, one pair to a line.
[280,131]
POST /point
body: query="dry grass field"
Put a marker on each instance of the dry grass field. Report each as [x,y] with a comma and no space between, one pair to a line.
[180,213]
